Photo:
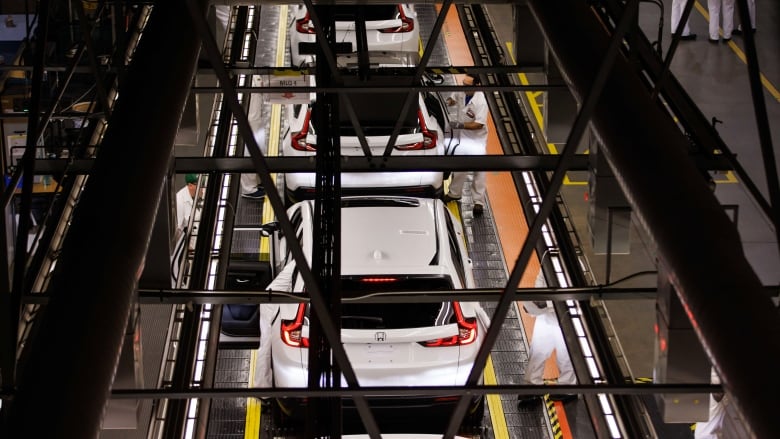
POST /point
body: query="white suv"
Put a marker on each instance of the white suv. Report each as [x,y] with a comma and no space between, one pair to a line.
[389,244]
[420,135]
[389,28]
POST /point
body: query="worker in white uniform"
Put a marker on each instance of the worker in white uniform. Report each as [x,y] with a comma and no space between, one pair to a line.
[721,11]
[185,205]
[283,282]
[677,11]
[250,183]
[185,200]
[468,136]
[547,338]
[752,14]
[712,428]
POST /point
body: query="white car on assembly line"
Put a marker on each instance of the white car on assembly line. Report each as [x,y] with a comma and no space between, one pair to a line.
[420,135]
[388,244]
[391,27]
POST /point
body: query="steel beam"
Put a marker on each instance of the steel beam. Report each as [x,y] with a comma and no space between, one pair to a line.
[430,391]
[692,233]
[79,335]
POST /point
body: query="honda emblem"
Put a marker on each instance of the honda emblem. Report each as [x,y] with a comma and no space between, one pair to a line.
[380,336]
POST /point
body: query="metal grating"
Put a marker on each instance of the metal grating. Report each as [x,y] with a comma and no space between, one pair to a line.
[426,17]
[509,353]
[227,417]
[154,326]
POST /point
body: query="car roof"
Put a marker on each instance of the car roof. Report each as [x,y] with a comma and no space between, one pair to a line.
[380,233]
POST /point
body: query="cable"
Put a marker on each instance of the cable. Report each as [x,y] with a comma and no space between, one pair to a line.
[630,276]
[657,43]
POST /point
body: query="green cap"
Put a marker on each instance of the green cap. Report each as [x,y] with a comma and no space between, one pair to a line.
[191,178]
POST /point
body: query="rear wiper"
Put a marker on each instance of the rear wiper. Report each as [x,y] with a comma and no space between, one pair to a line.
[378,201]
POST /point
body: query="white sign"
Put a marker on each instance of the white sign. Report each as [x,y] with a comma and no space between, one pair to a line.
[292,96]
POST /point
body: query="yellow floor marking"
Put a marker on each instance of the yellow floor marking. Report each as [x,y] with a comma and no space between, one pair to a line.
[764,81]
[497,416]
[729,176]
[253,408]
[536,107]
[566,180]
[740,54]
[273,135]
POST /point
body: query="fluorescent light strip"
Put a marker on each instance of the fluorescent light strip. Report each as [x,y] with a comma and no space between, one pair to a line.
[206,314]
[594,370]
[577,323]
[573,308]
[613,427]
[609,416]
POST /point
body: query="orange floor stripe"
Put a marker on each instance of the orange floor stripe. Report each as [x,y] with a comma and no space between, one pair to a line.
[505,205]
[563,421]
[507,211]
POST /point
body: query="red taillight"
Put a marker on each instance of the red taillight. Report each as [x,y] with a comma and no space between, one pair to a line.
[304,25]
[379,280]
[429,137]
[407,24]
[298,140]
[467,331]
[292,330]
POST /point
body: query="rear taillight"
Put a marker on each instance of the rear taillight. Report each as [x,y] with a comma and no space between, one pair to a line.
[292,334]
[379,280]
[304,25]
[467,331]
[407,24]
[298,140]
[429,137]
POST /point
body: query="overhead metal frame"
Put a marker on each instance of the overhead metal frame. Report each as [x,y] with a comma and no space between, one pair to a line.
[751,303]
[110,230]
[690,117]
[713,278]
[176,410]
[535,228]
[512,162]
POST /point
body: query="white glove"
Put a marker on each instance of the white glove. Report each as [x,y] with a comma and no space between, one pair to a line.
[455,125]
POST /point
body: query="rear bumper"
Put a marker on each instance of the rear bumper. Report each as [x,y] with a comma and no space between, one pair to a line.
[415,414]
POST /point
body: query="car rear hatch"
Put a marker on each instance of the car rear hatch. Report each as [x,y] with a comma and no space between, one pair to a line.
[378,17]
[402,343]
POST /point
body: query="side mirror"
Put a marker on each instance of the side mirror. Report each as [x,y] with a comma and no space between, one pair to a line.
[433,79]
[269,229]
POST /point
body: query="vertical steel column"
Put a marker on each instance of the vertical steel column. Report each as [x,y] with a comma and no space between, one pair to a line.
[11,302]
[324,414]
[721,293]
[530,49]
[78,338]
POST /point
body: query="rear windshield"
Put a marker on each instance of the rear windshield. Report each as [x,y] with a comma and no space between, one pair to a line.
[394,315]
[378,114]
[372,12]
